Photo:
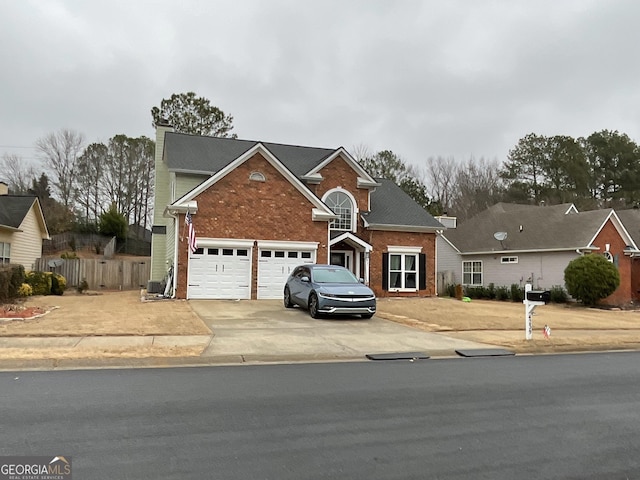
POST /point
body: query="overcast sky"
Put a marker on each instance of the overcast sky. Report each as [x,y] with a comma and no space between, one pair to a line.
[420,78]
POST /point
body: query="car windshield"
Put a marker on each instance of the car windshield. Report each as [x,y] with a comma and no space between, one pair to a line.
[333,275]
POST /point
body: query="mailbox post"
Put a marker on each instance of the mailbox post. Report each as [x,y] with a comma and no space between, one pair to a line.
[532,298]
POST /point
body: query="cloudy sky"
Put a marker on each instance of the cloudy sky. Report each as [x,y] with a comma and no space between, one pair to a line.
[421,78]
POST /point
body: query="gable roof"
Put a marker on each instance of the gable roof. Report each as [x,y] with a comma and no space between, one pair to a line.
[208,155]
[532,227]
[13,209]
[319,212]
[393,209]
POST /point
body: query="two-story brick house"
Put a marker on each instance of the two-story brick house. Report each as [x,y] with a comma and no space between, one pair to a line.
[259,209]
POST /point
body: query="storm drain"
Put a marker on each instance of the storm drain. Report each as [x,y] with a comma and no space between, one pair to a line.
[485,352]
[398,356]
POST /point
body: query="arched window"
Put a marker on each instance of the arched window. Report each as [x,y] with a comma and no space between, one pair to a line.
[342,205]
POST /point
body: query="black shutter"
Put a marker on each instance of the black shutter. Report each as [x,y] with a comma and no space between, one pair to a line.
[385,271]
[423,271]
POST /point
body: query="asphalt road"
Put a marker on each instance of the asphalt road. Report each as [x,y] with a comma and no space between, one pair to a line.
[572,416]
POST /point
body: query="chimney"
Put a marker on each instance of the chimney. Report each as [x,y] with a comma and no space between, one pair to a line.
[4,188]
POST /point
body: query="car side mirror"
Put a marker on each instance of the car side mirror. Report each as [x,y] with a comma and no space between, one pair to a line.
[361,280]
[305,279]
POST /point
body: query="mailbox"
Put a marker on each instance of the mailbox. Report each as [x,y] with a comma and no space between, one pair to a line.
[539,296]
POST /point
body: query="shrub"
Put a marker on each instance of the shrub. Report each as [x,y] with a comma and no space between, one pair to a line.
[83,286]
[11,277]
[69,255]
[25,290]
[491,291]
[502,293]
[474,292]
[58,284]
[559,294]
[40,282]
[590,278]
[517,292]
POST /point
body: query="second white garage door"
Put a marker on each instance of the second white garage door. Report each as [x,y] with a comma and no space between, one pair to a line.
[275,265]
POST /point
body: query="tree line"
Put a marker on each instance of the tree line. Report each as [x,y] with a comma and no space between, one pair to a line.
[598,171]
[80,183]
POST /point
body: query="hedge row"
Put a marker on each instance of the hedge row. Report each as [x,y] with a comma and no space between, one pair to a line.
[14,283]
[514,293]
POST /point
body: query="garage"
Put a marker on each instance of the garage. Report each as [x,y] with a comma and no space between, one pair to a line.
[276,260]
[220,272]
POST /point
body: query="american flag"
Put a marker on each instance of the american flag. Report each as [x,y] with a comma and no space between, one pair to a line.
[192,232]
[546,331]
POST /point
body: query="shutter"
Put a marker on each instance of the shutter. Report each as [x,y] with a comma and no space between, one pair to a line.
[385,271]
[422,262]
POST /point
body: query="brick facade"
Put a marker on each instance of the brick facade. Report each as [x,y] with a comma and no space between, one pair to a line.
[625,293]
[236,207]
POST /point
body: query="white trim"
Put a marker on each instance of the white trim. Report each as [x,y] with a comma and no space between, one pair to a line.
[364,179]
[572,209]
[354,211]
[398,249]
[204,242]
[619,226]
[508,259]
[404,252]
[286,245]
[190,206]
[351,237]
[399,228]
[318,215]
[349,260]
[481,262]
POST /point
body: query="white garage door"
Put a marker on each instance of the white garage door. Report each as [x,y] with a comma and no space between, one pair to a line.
[275,265]
[220,273]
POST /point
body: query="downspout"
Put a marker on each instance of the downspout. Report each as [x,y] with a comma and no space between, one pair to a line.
[435,260]
[175,253]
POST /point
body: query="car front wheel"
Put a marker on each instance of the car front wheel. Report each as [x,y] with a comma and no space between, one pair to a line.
[313,305]
[287,298]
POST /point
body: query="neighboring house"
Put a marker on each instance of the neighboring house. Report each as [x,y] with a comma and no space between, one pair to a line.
[518,244]
[22,228]
[260,209]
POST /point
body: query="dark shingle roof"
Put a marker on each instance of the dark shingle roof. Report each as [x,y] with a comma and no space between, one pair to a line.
[13,209]
[194,153]
[548,227]
[390,205]
[631,221]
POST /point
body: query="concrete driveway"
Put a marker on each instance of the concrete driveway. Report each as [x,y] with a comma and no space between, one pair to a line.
[265,330]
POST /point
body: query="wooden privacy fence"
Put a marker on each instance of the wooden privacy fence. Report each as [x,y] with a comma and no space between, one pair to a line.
[100,274]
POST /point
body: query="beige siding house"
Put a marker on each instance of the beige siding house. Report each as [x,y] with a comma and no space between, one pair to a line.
[22,229]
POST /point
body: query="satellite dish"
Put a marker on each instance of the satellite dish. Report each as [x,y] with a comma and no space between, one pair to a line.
[500,236]
[56,262]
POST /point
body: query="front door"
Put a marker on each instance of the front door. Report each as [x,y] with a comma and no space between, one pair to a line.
[344,258]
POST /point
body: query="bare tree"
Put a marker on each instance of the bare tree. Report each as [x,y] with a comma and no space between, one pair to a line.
[478,186]
[18,173]
[90,176]
[440,176]
[60,152]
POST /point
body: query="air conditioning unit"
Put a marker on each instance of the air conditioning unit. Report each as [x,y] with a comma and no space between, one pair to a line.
[154,287]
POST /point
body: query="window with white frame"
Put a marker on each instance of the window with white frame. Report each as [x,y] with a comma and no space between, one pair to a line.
[5,252]
[509,260]
[472,273]
[342,205]
[403,271]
